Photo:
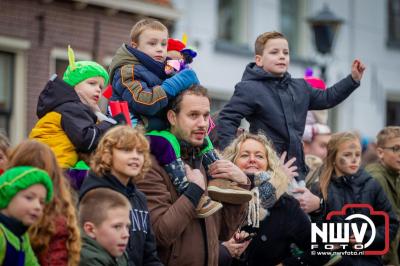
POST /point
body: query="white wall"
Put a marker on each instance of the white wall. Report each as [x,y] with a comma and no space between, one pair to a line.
[363,35]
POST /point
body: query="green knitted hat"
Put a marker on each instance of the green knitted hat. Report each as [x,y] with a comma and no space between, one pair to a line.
[19,178]
[79,71]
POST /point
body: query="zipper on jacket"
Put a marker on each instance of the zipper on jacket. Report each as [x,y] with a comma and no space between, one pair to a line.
[94,135]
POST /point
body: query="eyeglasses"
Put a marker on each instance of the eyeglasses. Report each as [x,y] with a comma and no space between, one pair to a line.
[394,149]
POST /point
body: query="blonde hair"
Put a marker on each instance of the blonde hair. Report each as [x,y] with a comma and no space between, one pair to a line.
[386,134]
[101,200]
[264,38]
[329,162]
[33,153]
[143,25]
[279,179]
[120,137]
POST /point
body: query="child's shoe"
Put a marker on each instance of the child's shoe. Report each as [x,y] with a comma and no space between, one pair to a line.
[227,191]
[207,207]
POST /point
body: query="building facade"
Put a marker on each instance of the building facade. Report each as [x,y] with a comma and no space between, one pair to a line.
[224,32]
[34,35]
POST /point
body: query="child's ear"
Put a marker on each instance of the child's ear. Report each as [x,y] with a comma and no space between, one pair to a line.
[171,116]
[90,229]
[106,158]
[380,152]
[133,44]
[258,60]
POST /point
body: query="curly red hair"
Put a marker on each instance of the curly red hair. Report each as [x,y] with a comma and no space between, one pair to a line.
[120,137]
[33,153]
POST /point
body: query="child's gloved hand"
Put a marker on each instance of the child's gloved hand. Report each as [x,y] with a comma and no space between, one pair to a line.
[181,81]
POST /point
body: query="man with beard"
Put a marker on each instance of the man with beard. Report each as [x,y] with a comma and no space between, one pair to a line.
[182,237]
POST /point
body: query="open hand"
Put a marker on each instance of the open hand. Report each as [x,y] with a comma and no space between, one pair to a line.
[357,70]
[288,168]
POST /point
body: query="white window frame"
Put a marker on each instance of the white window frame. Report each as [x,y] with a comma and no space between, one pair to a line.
[61,53]
[244,30]
[18,119]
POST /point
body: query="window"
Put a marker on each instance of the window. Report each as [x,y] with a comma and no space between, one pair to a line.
[394,23]
[61,66]
[217,105]
[290,23]
[393,113]
[59,60]
[6,89]
[232,22]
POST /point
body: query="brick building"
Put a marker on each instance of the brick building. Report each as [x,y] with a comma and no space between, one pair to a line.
[34,35]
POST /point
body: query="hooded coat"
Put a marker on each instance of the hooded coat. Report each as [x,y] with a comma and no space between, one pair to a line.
[136,78]
[285,224]
[66,124]
[277,106]
[359,188]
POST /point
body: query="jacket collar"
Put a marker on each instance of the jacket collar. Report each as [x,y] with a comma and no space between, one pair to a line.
[191,154]
[109,181]
[14,225]
[254,72]
[357,179]
[154,66]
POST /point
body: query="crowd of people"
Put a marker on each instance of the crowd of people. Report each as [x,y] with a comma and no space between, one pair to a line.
[162,183]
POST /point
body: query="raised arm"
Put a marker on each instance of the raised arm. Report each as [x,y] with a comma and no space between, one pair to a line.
[334,95]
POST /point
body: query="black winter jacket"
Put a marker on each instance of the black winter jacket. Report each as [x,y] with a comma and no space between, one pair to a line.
[286,224]
[359,188]
[278,107]
[142,244]
[66,124]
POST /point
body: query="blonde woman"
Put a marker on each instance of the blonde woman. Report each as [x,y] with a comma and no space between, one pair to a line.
[274,216]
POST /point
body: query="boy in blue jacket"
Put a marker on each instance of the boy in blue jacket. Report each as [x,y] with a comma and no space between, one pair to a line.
[137,74]
[277,104]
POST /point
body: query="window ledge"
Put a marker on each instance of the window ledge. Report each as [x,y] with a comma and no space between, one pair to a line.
[395,45]
[303,61]
[227,47]
[134,6]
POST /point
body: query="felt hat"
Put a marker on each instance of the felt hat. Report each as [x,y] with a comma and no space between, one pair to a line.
[22,177]
[175,45]
[77,72]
